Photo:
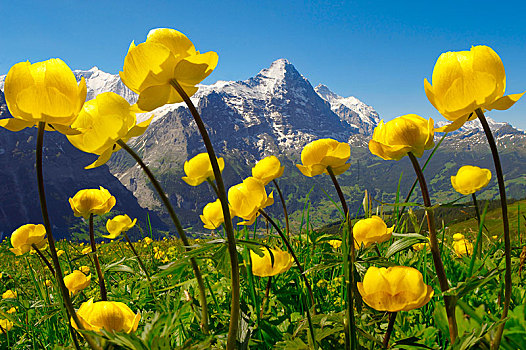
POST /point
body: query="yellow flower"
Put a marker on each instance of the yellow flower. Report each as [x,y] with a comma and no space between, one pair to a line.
[148,240]
[112,316]
[408,133]
[26,235]
[199,168]
[212,216]
[247,198]
[118,224]
[470,179]
[397,288]
[267,169]
[421,246]
[320,154]
[335,243]
[466,80]
[102,122]
[159,254]
[48,283]
[458,236]
[463,247]
[494,237]
[92,201]
[262,265]
[371,230]
[86,250]
[12,310]
[60,252]
[84,269]
[165,56]
[9,294]
[76,281]
[6,325]
[42,92]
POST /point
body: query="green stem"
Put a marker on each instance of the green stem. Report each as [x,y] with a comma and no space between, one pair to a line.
[413,186]
[51,241]
[231,239]
[139,260]
[180,231]
[267,293]
[291,251]
[102,284]
[46,261]
[285,212]
[390,327]
[349,257]
[477,212]
[435,252]
[506,226]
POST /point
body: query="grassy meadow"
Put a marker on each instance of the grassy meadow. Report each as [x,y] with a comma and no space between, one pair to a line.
[273,314]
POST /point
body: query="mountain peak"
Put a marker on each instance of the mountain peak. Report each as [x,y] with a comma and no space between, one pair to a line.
[277,70]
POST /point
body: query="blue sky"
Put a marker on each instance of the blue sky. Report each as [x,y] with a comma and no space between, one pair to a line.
[378,51]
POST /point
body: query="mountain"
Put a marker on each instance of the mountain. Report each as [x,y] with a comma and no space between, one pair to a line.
[277,112]
[64,175]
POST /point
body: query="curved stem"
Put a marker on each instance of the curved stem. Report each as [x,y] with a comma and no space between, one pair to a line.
[102,284]
[416,180]
[505,223]
[180,231]
[291,251]
[284,207]
[51,241]
[435,252]
[349,258]
[302,274]
[390,327]
[44,259]
[477,212]
[232,250]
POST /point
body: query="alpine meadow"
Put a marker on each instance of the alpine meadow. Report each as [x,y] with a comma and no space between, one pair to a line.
[147,210]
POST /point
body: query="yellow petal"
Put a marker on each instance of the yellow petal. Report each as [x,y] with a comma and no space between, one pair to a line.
[103,158]
[194,69]
[156,96]
[178,44]
[14,124]
[505,102]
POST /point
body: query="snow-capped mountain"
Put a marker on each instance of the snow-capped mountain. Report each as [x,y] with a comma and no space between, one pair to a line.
[350,109]
[277,112]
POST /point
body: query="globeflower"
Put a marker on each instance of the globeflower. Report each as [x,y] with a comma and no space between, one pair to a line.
[113,316]
[6,325]
[320,154]
[408,133]
[466,80]
[262,266]
[9,294]
[470,179]
[371,230]
[25,236]
[199,169]
[462,247]
[247,198]
[393,289]
[166,55]
[77,281]
[102,122]
[268,169]
[42,92]
[212,216]
[92,201]
[119,224]
[335,243]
